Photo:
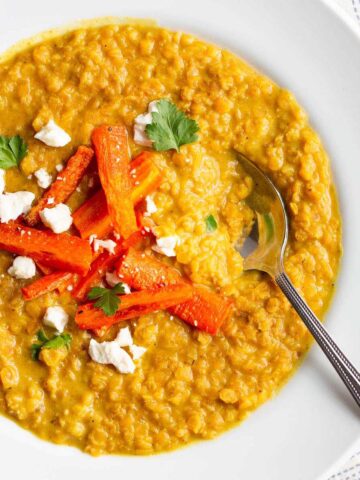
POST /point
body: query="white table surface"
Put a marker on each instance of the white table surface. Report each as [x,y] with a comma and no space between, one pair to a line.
[351,469]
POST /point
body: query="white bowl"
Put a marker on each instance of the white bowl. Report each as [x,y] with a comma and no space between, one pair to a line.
[312,50]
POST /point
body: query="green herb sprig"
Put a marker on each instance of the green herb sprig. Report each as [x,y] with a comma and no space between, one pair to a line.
[211,224]
[170,127]
[107,298]
[57,341]
[12,151]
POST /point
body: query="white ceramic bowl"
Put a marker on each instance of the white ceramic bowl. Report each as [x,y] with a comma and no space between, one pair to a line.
[309,48]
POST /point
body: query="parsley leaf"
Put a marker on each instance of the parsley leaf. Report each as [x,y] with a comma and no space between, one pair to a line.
[57,341]
[107,298]
[211,224]
[12,151]
[170,127]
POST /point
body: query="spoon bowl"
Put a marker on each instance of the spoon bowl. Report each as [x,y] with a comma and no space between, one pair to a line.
[264,250]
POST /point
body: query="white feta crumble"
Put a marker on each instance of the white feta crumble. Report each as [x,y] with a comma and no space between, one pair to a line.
[58,218]
[59,167]
[141,121]
[53,135]
[111,353]
[124,337]
[22,268]
[50,201]
[2,180]
[136,351]
[113,279]
[166,245]
[108,245]
[150,206]
[12,205]
[44,179]
[56,317]
[92,237]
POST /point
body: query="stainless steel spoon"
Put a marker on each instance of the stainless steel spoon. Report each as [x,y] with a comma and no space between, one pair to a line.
[264,250]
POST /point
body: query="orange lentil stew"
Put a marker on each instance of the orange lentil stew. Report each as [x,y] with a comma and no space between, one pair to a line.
[127,322]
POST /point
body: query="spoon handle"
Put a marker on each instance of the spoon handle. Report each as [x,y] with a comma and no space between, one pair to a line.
[346,370]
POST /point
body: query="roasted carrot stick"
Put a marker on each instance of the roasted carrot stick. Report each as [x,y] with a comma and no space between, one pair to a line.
[58,251]
[133,305]
[112,153]
[44,269]
[206,310]
[143,271]
[92,217]
[103,263]
[98,268]
[45,284]
[66,182]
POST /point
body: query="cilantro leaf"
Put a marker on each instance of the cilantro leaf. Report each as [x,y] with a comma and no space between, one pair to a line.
[12,151]
[57,341]
[211,224]
[170,127]
[107,298]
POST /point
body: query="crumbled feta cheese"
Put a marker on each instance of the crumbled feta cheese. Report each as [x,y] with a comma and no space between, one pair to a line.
[2,180]
[108,245]
[59,167]
[12,205]
[117,236]
[58,218]
[56,317]
[111,353]
[150,206]
[92,238]
[124,337]
[136,351]
[22,268]
[44,179]
[50,201]
[113,279]
[166,245]
[53,135]
[141,121]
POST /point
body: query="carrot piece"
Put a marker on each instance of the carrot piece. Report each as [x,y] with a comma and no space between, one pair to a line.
[68,283]
[145,175]
[143,271]
[44,269]
[112,153]
[92,217]
[133,305]
[102,264]
[58,251]
[206,310]
[66,182]
[97,270]
[45,284]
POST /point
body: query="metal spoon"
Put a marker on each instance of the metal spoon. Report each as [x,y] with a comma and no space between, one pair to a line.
[264,250]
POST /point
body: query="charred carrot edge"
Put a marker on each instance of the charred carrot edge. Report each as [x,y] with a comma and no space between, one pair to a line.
[97,270]
[65,184]
[112,153]
[58,251]
[45,284]
[68,283]
[92,217]
[102,264]
[44,269]
[206,310]
[133,305]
